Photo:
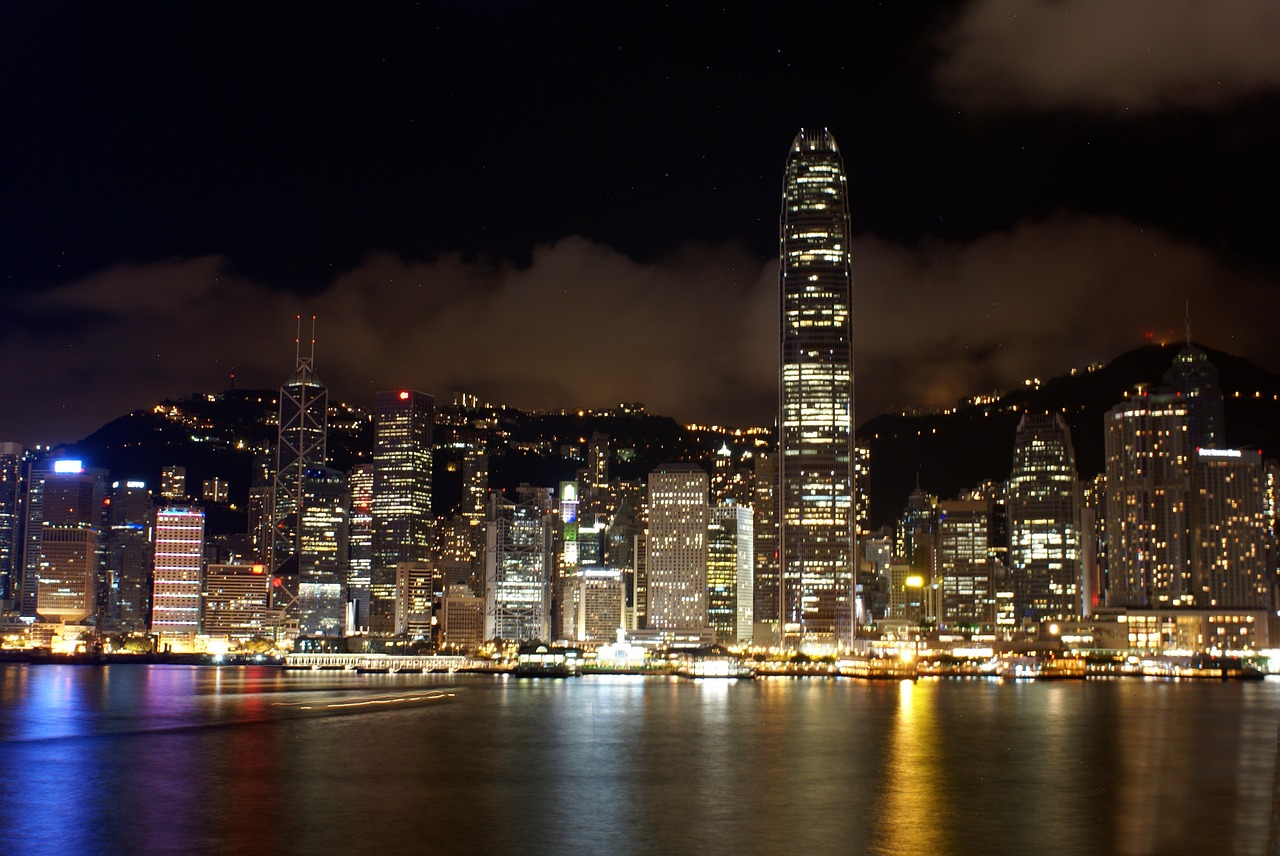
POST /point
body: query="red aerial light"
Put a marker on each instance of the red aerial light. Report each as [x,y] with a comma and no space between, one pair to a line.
[277,582]
[259,569]
[404,396]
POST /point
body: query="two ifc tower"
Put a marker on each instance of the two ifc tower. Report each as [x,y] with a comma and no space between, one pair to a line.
[815,417]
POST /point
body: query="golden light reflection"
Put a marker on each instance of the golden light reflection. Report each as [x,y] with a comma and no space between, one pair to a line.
[908,808]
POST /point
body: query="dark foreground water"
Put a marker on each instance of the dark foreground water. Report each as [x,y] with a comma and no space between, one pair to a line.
[167,759]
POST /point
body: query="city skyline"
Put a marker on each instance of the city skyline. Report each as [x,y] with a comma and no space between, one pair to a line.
[409,182]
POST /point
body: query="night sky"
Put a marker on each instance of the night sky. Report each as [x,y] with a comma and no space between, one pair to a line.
[575,205]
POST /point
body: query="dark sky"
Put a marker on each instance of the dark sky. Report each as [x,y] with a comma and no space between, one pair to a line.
[577,204]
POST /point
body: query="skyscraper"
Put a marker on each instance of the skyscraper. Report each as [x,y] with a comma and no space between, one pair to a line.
[178,584]
[360,544]
[964,569]
[815,401]
[303,426]
[1196,379]
[677,560]
[518,569]
[730,572]
[62,539]
[1044,521]
[1148,460]
[402,438]
[13,462]
[322,552]
[1228,529]
[130,556]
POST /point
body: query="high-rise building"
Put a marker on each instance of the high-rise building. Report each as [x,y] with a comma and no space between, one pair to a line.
[1148,468]
[815,419]
[461,620]
[414,590]
[236,601]
[592,605]
[730,569]
[360,545]
[301,447]
[13,468]
[677,547]
[764,505]
[1043,507]
[964,570]
[519,563]
[1228,530]
[1196,379]
[130,555]
[62,529]
[402,454]
[173,483]
[179,565]
[322,552]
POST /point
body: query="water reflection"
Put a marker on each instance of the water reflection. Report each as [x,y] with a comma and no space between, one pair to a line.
[159,760]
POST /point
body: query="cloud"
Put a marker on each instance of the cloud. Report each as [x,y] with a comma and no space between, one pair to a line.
[942,321]
[693,335]
[1103,54]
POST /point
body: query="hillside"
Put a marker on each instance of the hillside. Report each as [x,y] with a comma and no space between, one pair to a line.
[974,443]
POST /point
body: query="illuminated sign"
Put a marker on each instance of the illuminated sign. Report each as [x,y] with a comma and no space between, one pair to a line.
[259,569]
[1218,453]
[136,484]
[404,396]
[68,466]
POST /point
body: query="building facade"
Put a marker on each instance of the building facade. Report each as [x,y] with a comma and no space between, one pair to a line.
[519,564]
[402,455]
[1043,507]
[815,418]
[677,547]
[178,575]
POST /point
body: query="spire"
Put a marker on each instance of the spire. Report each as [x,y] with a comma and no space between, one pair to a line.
[1188,322]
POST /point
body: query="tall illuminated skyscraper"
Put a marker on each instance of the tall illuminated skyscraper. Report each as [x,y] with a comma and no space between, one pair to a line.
[1148,448]
[303,428]
[677,548]
[179,569]
[62,540]
[815,399]
[1044,521]
[402,438]
[519,562]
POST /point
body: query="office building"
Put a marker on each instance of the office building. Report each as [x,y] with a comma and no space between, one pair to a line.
[1229,530]
[461,620]
[236,601]
[1195,379]
[592,604]
[816,420]
[519,565]
[173,483]
[415,585]
[1043,508]
[130,555]
[179,565]
[300,448]
[402,454]
[730,570]
[677,548]
[1148,485]
[322,552]
[62,540]
[13,468]
[964,571]
[359,545]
